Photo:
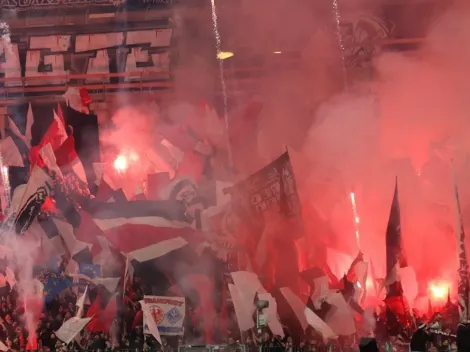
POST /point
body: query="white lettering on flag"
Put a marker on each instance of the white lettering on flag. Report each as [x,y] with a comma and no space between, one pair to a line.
[166,312]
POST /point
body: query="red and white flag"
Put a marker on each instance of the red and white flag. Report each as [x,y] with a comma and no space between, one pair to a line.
[68,160]
[147,238]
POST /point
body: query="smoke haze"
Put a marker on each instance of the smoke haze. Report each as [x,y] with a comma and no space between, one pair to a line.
[404,114]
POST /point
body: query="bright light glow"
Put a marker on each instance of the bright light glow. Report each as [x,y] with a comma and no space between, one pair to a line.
[121,164]
[439,290]
[222,55]
[124,160]
[356,219]
[277,52]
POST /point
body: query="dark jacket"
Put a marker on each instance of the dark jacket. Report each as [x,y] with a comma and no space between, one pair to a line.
[419,340]
[463,337]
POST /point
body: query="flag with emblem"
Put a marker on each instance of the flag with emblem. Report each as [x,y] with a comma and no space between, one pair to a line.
[89,270]
[463,281]
[53,282]
[269,207]
[38,188]
[166,312]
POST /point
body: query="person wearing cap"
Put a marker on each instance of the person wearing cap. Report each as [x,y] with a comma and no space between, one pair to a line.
[419,339]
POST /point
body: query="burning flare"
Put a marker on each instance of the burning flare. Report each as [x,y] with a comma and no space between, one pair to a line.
[122,162]
[439,290]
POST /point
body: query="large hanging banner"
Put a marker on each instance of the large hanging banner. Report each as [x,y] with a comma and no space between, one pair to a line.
[19,5]
[22,5]
[167,312]
[52,57]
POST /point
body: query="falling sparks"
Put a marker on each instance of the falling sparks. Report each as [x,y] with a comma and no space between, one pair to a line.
[339,37]
[356,219]
[218,46]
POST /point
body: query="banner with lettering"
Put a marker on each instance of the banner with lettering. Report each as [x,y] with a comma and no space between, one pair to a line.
[167,312]
[144,53]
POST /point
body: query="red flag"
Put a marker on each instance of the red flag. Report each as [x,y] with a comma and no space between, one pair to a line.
[85,97]
[60,115]
[88,232]
[138,319]
[68,160]
[55,136]
[109,313]
[95,325]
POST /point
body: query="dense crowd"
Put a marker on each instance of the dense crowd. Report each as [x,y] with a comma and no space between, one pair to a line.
[126,333]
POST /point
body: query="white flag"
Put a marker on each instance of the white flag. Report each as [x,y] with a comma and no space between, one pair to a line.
[149,321]
[273,321]
[71,328]
[10,154]
[62,133]
[80,303]
[296,304]
[66,232]
[174,151]
[37,190]
[110,283]
[340,318]
[319,325]
[14,128]
[29,124]
[48,156]
[243,309]
[248,284]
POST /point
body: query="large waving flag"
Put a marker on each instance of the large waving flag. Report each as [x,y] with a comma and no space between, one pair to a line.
[68,160]
[463,282]
[398,312]
[37,190]
[269,206]
[53,282]
[143,230]
[394,246]
[146,238]
[10,153]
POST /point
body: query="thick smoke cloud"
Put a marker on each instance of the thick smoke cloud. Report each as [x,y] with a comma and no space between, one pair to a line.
[404,114]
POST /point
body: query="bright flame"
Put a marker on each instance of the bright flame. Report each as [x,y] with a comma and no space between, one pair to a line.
[439,290]
[277,52]
[222,55]
[121,164]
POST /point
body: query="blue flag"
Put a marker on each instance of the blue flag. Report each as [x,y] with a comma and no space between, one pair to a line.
[89,270]
[53,282]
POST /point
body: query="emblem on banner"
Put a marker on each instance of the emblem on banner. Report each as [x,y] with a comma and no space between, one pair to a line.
[173,316]
[158,314]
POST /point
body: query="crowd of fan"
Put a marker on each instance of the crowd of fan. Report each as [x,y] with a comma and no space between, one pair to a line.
[127,332]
